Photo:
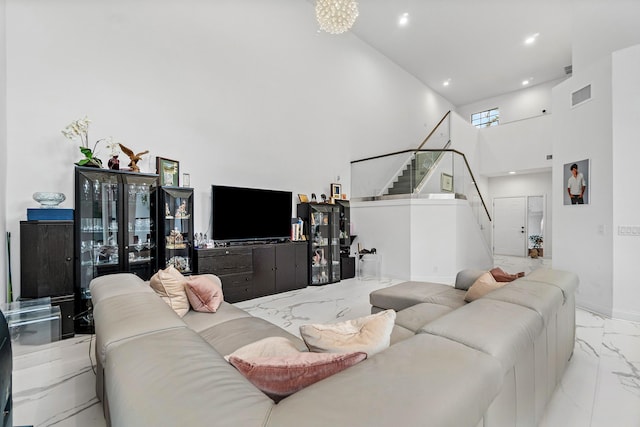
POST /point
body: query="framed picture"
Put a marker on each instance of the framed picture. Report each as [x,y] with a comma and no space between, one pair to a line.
[336,191]
[446,182]
[576,182]
[186,180]
[168,170]
[303,198]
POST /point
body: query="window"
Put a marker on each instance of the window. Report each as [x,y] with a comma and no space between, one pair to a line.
[485,119]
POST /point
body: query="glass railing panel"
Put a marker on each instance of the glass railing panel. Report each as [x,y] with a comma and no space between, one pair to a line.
[372,177]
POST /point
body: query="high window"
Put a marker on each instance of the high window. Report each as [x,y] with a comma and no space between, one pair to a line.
[486,118]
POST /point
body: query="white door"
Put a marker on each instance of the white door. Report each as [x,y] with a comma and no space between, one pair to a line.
[509,226]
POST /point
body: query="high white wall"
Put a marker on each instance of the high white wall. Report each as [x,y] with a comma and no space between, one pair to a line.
[532,184]
[521,104]
[520,146]
[3,148]
[240,93]
[626,152]
[582,234]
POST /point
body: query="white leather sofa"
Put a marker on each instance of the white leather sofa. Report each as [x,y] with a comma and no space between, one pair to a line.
[493,362]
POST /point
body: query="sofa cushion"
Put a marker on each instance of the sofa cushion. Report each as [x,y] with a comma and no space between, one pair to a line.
[545,299]
[199,321]
[204,292]
[370,334]
[500,329]
[415,317]
[564,280]
[280,376]
[404,295]
[169,284]
[116,284]
[174,378]
[465,278]
[482,286]
[229,336]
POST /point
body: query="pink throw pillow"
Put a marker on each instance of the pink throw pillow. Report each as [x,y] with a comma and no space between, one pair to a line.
[280,376]
[204,293]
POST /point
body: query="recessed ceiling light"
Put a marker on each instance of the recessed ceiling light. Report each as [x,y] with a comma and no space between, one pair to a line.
[531,39]
[446,82]
[404,19]
[512,172]
[525,82]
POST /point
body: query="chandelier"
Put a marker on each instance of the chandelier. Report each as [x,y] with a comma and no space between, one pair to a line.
[336,16]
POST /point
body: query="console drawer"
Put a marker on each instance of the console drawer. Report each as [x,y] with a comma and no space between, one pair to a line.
[225,261]
[237,287]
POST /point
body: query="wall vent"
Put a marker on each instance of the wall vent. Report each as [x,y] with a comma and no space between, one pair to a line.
[581,95]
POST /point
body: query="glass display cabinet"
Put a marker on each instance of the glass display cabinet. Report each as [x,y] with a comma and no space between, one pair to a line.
[322,230]
[114,230]
[175,228]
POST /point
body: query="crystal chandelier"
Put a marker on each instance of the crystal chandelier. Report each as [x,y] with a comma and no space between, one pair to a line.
[336,16]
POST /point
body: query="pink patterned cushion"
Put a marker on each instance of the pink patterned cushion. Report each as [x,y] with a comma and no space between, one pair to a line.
[280,376]
[204,293]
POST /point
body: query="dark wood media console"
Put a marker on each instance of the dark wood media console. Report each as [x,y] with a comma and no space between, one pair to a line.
[252,271]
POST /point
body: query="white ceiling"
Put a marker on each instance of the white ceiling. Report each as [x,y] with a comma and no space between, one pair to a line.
[478,45]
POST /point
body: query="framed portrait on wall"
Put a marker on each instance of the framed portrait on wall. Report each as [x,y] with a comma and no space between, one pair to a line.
[576,182]
[336,191]
[168,171]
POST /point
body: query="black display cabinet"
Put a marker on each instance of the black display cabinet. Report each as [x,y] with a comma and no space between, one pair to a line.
[175,228]
[347,262]
[321,224]
[114,230]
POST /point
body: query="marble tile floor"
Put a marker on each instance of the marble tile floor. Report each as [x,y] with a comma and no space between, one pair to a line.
[54,384]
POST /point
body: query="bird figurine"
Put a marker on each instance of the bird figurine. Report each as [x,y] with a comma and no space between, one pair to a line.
[134,158]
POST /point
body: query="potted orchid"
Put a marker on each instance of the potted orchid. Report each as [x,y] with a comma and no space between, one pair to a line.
[79,129]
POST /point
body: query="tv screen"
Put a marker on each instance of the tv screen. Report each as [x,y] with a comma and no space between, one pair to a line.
[241,214]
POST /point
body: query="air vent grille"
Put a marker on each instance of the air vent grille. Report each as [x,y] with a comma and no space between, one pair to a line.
[580,96]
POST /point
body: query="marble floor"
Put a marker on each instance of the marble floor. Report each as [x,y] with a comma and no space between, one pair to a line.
[54,384]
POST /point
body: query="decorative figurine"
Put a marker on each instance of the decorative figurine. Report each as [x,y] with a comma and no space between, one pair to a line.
[167,212]
[182,210]
[313,197]
[324,198]
[114,163]
[134,158]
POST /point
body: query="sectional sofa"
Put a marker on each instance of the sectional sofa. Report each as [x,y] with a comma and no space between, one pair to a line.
[492,362]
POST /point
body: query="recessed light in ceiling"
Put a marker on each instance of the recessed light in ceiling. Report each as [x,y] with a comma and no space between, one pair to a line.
[512,172]
[525,82]
[446,82]
[403,20]
[531,39]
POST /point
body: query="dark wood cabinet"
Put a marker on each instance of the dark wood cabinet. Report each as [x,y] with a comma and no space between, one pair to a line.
[253,271]
[46,266]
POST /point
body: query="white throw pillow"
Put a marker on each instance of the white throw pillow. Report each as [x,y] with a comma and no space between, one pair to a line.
[370,334]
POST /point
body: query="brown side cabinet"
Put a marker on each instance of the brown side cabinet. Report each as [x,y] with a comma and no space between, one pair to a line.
[254,271]
[46,266]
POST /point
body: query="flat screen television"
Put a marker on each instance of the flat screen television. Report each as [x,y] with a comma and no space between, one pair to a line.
[250,214]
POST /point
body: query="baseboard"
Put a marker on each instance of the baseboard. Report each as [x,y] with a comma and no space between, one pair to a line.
[632,316]
[594,308]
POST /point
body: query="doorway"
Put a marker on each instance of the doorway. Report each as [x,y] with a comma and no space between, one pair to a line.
[518,225]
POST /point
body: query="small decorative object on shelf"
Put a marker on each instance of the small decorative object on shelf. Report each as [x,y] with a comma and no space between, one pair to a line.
[134,158]
[114,163]
[182,213]
[336,191]
[49,200]
[175,240]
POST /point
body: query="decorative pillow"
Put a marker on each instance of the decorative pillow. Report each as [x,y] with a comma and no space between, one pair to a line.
[465,278]
[501,276]
[169,284]
[280,376]
[370,334]
[266,347]
[482,286]
[204,293]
